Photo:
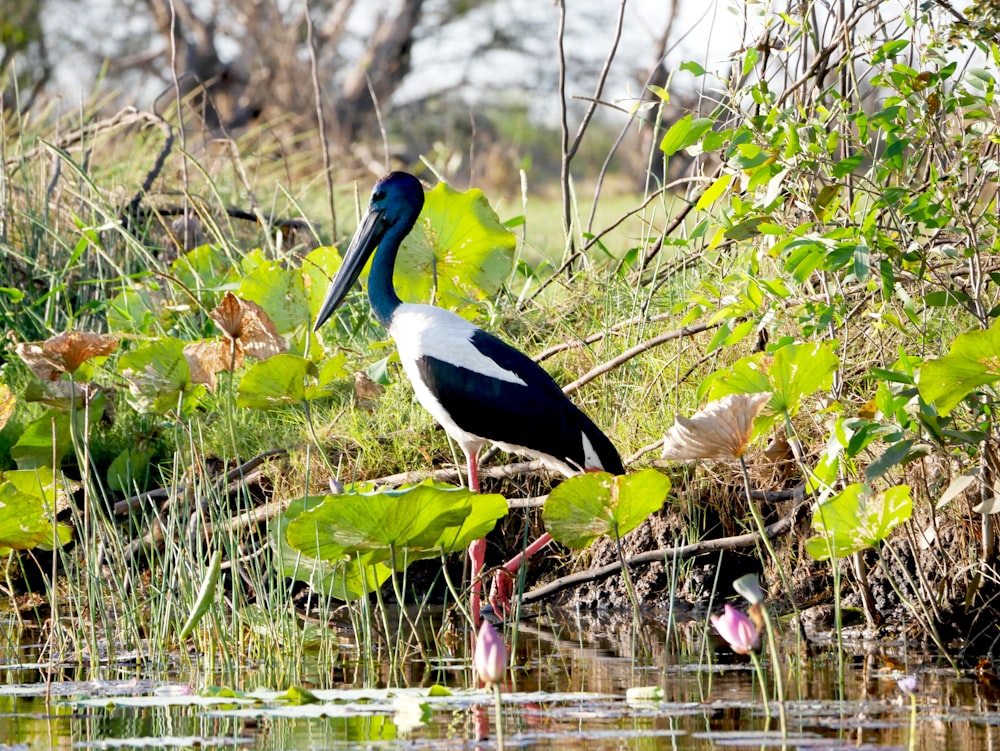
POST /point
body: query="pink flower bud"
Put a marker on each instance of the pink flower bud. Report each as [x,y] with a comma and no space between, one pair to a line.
[490,658]
[737,630]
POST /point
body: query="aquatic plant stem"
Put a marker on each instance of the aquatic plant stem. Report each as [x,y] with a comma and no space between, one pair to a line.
[762,680]
[626,577]
[765,540]
[498,709]
[776,663]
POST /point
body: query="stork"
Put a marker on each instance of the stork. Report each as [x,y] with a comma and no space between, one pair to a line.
[480,389]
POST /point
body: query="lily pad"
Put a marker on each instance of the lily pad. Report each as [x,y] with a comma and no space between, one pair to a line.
[587,506]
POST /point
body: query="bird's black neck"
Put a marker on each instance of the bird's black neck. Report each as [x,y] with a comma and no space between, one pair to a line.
[381,292]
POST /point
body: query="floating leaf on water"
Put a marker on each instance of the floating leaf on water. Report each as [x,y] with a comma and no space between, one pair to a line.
[644,693]
[298,695]
[590,505]
[722,430]
[410,713]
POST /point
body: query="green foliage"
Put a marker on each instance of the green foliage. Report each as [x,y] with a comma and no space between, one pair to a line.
[583,508]
[790,373]
[206,592]
[27,504]
[972,361]
[159,378]
[415,522]
[278,381]
[856,519]
[343,579]
[458,253]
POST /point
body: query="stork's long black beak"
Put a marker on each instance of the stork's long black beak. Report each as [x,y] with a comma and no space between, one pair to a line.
[365,240]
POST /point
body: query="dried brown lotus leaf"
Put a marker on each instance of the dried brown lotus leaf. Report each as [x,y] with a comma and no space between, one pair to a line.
[247,322]
[229,315]
[7,402]
[64,353]
[206,358]
[366,390]
[721,430]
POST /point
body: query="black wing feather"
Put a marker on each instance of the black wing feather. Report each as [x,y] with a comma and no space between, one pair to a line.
[537,415]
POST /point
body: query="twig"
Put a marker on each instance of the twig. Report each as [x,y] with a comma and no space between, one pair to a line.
[577,343]
[320,119]
[453,474]
[634,351]
[137,501]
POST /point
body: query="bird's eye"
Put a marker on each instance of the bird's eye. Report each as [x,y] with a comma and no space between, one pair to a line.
[378,195]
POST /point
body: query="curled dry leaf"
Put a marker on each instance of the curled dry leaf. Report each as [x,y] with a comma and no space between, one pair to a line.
[366,390]
[64,353]
[60,394]
[720,431]
[206,358]
[250,325]
[7,402]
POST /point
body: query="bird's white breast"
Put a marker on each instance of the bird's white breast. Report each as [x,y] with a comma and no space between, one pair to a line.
[427,331]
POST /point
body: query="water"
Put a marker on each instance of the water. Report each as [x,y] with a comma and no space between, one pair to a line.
[568,691]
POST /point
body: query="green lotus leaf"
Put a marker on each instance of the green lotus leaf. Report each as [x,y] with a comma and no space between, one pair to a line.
[458,251]
[275,382]
[26,520]
[856,519]
[412,523]
[590,505]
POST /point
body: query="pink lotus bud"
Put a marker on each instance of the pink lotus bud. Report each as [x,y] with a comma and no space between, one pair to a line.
[737,630]
[490,658]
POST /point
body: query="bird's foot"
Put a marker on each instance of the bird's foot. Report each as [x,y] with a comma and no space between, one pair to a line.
[501,593]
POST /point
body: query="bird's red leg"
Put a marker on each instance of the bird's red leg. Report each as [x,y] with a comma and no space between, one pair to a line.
[502,586]
[477,550]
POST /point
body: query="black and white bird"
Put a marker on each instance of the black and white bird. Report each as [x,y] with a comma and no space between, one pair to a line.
[480,389]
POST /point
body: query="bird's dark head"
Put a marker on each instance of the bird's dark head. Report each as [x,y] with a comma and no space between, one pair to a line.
[397,196]
[395,202]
